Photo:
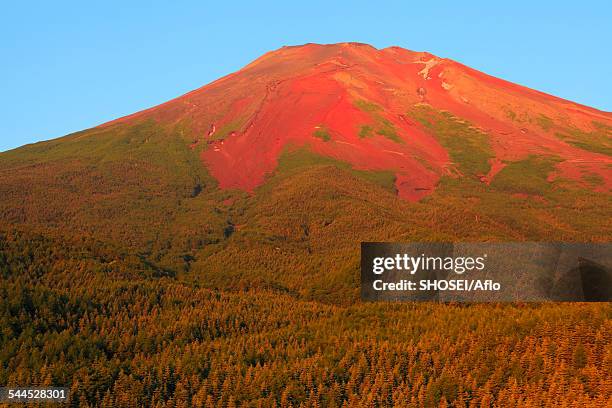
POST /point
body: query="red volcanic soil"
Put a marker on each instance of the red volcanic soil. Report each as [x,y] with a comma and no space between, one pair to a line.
[289,96]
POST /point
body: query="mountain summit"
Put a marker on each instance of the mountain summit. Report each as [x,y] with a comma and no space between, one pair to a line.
[320,146]
[374,109]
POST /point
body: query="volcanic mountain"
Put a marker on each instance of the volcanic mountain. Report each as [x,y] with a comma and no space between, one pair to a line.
[311,149]
[206,252]
[365,106]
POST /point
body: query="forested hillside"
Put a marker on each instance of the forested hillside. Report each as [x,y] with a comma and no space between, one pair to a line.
[154,288]
[121,333]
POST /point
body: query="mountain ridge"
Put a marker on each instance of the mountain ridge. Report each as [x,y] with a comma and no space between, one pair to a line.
[354,103]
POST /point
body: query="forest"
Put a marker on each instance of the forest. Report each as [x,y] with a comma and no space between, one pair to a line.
[120,333]
[129,277]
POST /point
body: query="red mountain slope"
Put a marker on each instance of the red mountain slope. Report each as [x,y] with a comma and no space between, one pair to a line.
[350,101]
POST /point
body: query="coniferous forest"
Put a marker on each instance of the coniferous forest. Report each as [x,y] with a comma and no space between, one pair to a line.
[129,277]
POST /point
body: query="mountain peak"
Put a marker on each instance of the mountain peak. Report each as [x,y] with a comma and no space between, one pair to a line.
[365,106]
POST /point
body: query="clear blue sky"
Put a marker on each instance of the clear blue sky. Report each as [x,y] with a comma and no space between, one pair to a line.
[66,66]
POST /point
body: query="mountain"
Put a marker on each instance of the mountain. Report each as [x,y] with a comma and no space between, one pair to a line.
[307,141]
[366,107]
[311,149]
[206,250]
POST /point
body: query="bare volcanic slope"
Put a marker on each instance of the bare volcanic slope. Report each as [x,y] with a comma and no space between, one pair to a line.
[375,110]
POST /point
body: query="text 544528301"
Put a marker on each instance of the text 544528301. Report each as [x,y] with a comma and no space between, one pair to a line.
[33,394]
